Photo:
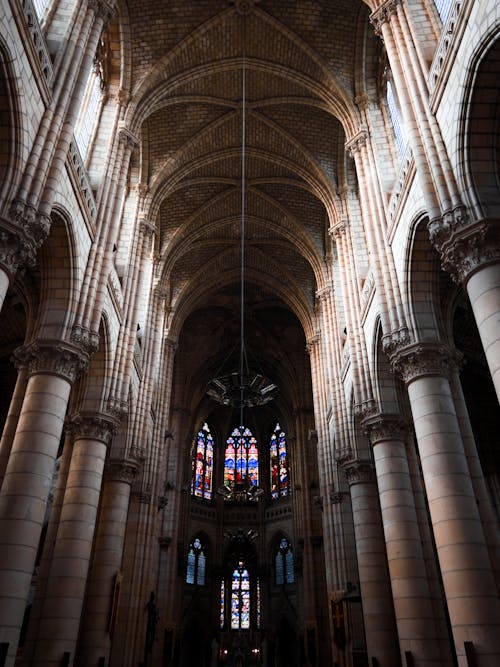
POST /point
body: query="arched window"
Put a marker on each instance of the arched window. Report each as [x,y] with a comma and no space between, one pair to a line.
[202,465]
[280,483]
[240,598]
[283,562]
[196,563]
[242,459]
[396,118]
[443,7]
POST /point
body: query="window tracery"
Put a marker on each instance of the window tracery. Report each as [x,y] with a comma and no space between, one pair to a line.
[283,562]
[196,563]
[241,462]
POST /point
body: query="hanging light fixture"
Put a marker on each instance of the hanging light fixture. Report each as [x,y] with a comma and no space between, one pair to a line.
[242,388]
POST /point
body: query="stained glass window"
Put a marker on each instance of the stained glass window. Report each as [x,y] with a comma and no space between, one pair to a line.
[280,483]
[240,598]
[258,604]
[196,564]
[284,570]
[202,465]
[242,459]
[222,604]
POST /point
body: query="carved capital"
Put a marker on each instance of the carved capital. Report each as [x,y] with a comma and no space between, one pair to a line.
[465,246]
[21,236]
[343,455]
[103,9]
[127,138]
[381,427]
[121,471]
[144,497]
[312,343]
[426,359]
[52,358]
[147,228]
[395,340]
[383,14]
[338,229]
[358,472]
[365,408]
[117,408]
[98,427]
[356,142]
[324,293]
[85,338]
[122,97]
[170,344]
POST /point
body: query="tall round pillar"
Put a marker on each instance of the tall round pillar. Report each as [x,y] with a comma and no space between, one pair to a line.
[9,429]
[103,592]
[468,579]
[378,610]
[410,590]
[28,477]
[65,588]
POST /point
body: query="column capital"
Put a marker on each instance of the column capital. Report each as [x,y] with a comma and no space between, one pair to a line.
[365,409]
[395,340]
[117,407]
[425,359]
[383,14]
[324,293]
[21,235]
[465,246]
[147,227]
[312,342]
[355,143]
[358,471]
[338,229]
[84,338]
[92,426]
[121,470]
[103,9]
[381,427]
[127,138]
[52,358]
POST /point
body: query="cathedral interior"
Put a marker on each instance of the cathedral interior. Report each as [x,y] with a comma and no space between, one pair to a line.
[249,333]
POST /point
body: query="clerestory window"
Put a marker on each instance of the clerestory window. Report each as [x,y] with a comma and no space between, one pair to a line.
[283,561]
[241,463]
[196,563]
[278,461]
[202,464]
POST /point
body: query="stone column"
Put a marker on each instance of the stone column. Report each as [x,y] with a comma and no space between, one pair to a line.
[52,370]
[378,611]
[470,251]
[17,248]
[65,588]
[468,579]
[104,583]
[410,590]
[9,429]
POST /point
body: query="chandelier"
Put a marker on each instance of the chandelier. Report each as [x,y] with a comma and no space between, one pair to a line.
[242,388]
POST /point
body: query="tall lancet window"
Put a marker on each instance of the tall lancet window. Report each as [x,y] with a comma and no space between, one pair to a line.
[283,562]
[242,459]
[396,118]
[240,598]
[280,483]
[196,563]
[202,465]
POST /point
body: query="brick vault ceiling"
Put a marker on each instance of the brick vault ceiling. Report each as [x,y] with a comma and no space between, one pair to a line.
[185,70]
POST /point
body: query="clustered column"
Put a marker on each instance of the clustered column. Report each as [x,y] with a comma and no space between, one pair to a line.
[378,611]
[468,579]
[28,477]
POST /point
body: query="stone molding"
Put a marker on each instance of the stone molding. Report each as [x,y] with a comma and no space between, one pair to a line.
[117,407]
[144,497]
[86,426]
[343,455]
[425,359]
[102,9]
[147,228]
[127,138]
[383,14]
[52,358]
[312,342]
[338,229]
[245,7]
[464,246]
[120,471]
[382,427]
[164,542]
[358,472]
[365,408]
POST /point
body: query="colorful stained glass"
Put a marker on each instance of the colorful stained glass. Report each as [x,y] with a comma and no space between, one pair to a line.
[242,458]
[240,598]
[278,464]
[222,604]
[258,599]
[202,466]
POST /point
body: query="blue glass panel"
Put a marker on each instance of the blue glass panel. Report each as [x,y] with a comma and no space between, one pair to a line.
[200,579]
[279,568]
[290,577]
[191,561]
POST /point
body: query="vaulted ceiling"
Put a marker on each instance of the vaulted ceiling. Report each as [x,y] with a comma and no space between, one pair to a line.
[185,66]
